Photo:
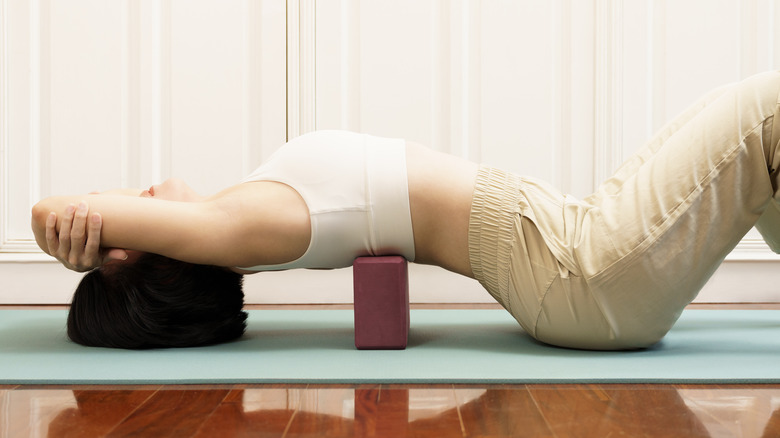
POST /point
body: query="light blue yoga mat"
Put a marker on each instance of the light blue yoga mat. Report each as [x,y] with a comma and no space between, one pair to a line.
[445,346]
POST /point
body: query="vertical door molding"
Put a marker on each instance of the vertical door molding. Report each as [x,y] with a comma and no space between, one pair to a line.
[469,118]
[758,36]
[757,31]
[339,70]
[4,124]
[773,14]
[26,140]
[441,92]
[266,90]
[264,103]
[749,29]
[656,85]
[251,78]
[130,105]
[161,141]
[350,65]
[561,138]
[301,67]
[39,183]
[35,115]
[608,140]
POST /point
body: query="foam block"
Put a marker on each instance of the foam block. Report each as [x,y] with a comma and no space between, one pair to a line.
[381,290]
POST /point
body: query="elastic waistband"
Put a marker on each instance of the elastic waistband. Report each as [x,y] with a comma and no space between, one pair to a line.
[494,207]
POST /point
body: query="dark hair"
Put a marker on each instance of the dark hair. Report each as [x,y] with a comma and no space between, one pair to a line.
[157,302]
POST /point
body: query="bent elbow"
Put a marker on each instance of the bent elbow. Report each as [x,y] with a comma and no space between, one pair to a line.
[39,214]
[40,211]
[36,215]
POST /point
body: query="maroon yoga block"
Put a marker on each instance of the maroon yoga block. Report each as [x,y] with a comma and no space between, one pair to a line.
[381,287]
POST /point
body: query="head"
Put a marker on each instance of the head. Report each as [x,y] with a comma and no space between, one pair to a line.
[157,302]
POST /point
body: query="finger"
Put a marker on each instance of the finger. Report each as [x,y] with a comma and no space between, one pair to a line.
[78,230]
[92,247]
[65,225]
[52,240]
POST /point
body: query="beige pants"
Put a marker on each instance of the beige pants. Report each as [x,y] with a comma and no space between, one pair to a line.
[616,269]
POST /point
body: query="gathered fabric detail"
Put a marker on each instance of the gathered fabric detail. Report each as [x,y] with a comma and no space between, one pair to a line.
[494,208]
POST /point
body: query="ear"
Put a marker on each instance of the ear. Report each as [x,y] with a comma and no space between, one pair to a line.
[116,254]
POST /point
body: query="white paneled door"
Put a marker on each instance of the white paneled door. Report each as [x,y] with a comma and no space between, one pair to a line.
[125,93]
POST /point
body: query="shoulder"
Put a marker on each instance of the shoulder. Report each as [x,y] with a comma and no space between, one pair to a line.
[266,223]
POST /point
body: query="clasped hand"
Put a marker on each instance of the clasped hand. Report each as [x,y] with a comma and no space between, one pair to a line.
[77,244]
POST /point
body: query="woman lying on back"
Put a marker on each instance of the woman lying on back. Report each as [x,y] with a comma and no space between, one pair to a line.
[321,200]
[612,271]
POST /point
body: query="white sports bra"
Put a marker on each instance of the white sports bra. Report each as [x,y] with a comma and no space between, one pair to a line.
[356,189]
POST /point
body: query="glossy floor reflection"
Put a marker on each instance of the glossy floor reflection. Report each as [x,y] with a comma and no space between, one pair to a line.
[393,411]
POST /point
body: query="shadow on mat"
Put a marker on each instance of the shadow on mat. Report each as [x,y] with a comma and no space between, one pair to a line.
[322,336]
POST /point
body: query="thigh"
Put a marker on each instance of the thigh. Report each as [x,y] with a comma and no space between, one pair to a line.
[715,162]
[676,218]
[630,167]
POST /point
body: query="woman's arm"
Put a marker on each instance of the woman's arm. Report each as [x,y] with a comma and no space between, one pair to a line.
[248,224]
[92,221]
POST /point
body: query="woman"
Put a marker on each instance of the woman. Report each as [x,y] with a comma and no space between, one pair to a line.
[612,271]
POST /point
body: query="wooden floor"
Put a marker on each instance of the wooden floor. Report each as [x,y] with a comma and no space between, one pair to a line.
[392,410]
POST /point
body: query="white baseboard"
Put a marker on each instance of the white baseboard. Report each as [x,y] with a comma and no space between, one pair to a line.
[45,282]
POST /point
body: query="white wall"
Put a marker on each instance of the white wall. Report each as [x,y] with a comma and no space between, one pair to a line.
[99,94]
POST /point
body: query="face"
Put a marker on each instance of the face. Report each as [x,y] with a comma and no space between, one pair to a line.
[172,189]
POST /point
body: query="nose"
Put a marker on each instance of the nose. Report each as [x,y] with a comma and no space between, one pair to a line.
[171,182]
